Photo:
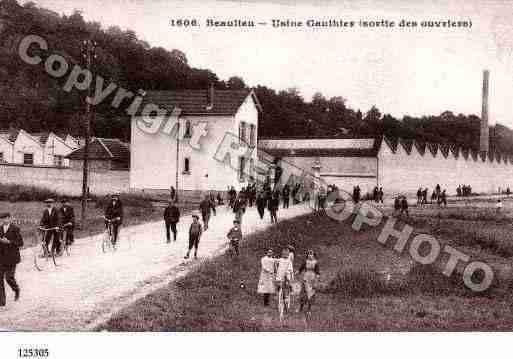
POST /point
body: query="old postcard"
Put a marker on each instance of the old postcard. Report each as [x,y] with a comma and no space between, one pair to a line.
[254,166]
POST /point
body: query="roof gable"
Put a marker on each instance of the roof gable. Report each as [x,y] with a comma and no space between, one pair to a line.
[103,149]
[195,102]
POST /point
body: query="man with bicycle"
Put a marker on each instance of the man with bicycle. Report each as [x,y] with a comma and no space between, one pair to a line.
[51,221]
[67,215]
[114,214]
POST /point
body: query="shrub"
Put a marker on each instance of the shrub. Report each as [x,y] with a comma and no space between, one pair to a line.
[16,192]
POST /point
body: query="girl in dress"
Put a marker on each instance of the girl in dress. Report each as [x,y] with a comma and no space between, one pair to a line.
[266,281]
[310,271]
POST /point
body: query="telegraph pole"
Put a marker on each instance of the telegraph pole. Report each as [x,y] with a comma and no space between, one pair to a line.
[88,52]
[177,157]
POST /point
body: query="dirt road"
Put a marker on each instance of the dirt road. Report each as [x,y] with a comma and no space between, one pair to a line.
[89,286]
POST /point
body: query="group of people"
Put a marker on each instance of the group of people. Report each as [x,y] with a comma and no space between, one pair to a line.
[264,198]
[377,194]
[57,221]
[464,190]
[438,195]
[277,272]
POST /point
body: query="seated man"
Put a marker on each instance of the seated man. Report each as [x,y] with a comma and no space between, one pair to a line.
[114,213]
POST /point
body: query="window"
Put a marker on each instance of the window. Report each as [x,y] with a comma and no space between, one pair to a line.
[242,166]
[242,132]
[186,166]
[188,131]
[2,157]
[252,135]
[58,161]
[28,158]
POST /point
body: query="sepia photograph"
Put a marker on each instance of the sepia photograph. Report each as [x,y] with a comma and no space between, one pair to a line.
[255,166]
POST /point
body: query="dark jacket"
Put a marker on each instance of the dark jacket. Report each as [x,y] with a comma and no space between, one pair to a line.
[274,203]
[260,202]
[50,220]
[114,211]
[172,214]
[67,215]
[10,253]
[205,207]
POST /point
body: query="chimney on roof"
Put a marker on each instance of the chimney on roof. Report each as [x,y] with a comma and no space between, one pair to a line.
[210,97]
[484,135]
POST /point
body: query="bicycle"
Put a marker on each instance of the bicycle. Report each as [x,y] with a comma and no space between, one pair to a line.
[284,296]
[108,237]
[65,245]
[43,254]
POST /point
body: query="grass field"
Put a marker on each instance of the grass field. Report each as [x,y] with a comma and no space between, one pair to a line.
[365,285]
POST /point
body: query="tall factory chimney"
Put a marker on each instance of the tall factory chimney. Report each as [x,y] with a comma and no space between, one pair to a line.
[484,137]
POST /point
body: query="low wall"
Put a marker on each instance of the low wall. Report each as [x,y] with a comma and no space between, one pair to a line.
[64,181]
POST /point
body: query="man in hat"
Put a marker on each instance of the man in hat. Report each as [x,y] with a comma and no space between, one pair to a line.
[50,220]
[171,218]
[235,236]
[114,213]
[67,215]
[10,244]
[195,231]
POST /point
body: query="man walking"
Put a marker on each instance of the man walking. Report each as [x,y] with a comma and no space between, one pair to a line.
[260,203]
[273,205]
[205,207]
[171,218]
[195,231]
[10,244]
[286,196]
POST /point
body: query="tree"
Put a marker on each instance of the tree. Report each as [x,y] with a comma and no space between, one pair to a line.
[236,83]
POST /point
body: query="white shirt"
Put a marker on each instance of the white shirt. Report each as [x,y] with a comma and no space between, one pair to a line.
[6,228]
[285,269]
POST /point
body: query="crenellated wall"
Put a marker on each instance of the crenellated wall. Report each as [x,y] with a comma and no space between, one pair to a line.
[403,167]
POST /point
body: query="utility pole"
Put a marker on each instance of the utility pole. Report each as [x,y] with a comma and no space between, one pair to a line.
[88,52]
[177,156]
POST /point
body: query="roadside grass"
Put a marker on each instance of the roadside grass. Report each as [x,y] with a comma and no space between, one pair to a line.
[364,286]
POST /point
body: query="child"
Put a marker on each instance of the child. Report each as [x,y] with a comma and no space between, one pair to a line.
[195,232]
[284,270]
[235,235]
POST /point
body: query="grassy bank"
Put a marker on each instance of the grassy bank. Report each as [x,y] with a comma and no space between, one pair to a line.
[364,286]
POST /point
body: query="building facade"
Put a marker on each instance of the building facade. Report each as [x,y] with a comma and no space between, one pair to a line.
[35,149]
[190,150]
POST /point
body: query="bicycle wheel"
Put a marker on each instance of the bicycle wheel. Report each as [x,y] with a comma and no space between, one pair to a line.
[106,242]
[53,253]
[65,245]
[41,257]
[281,303]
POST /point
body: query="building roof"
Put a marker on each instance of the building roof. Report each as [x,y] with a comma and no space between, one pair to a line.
[195,102]
[104,149]
[352,147]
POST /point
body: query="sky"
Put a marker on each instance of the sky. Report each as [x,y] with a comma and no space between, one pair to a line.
[415,71]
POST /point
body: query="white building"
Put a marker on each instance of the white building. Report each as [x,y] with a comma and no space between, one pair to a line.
[399,166]
[214,126]
[36,149]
